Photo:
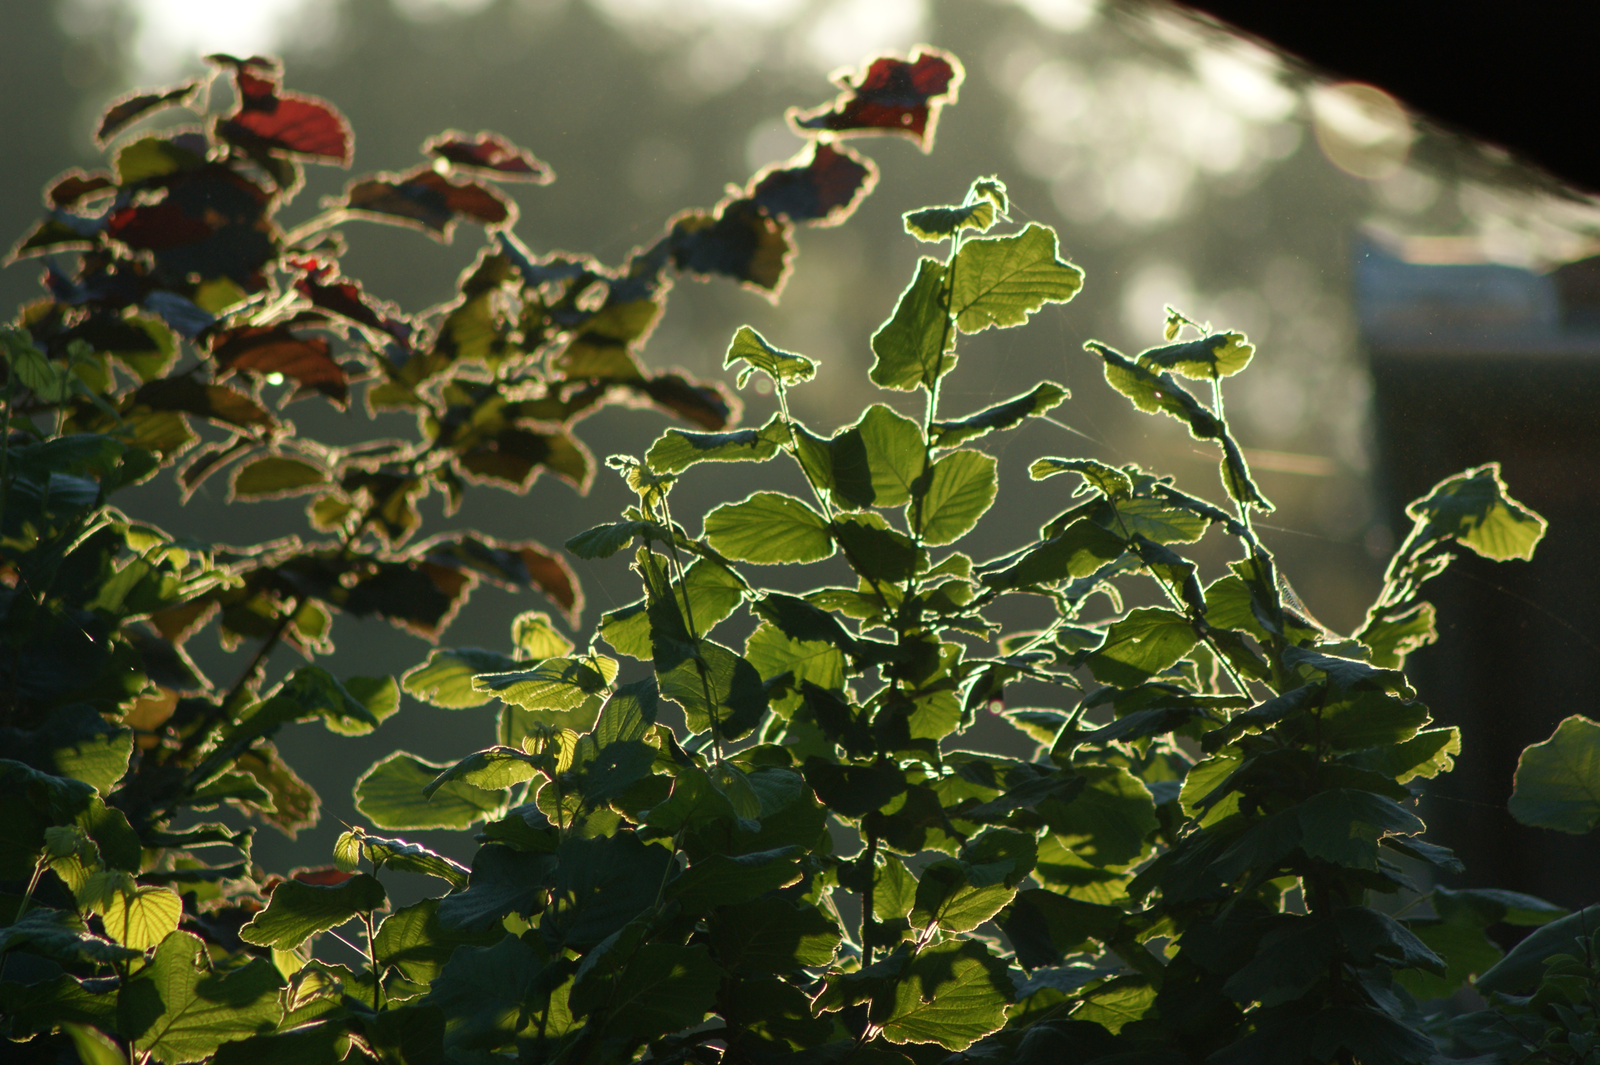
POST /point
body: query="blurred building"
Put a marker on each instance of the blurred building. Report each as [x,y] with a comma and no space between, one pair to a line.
[1475,362]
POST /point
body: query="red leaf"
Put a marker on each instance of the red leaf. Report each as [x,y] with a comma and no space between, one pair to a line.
[274,349]
[326,289]
[430,200]
[74,185]
[130,108]
[510,565]
[823,186]
[489,151]
[282,121]
[163,225]
[893,97]
[740,241]
[324,876]
[709,406]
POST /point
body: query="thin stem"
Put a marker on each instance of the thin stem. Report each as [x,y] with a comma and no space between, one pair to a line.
[869,923]
[372,960]
[316,224]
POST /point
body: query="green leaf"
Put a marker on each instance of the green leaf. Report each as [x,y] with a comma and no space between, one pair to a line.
[417,943]
[768,528]
[321,694]
[494,769]
[1521,970]
[94,1047]
[985,201]
[1557,784]
[390,795]
[1109,821]
[773,653]
[1000,281]
[324,1043]
[445,679]
[482,991]
[677,449]
[1151,519]
[297,911]
[179,1010]
[627,715]
[554,684]
[717,689]
[61,936]
[1117,1004]
[1146,642]
[912,347]
[601,884]
[771,935]
[536,637]
[751,348]
[961,490]
[894,890]
[603,541]
[1154,392]
[76,742]
[48,380]
[1475,509]
[354,846]
[953,994]
[142,917]
[875,551]
[1041,399]
[1217,355]
[961,894]
[877,460]
[1235,473]
[504,880]
[656,989]
[718,880]
[276,476]
[1392,638]
[1077,551]
[1045,926]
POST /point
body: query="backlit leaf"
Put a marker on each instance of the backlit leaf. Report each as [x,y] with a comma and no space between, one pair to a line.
[415,941]
[821,186]
[911,347]
[961,490]
[297,911]
[495,769]
[142,917]
[497,157]
[1000,281]
[677,449]
[1557,784]
[1040,399]
[1141,645]
[126,110]
[952,994]
[1217,355]
[768,528]
[878,460]
[182,1010]
[1476,510]
[891,96]
[390,796]
[430,201]
[445,679]
[752,349]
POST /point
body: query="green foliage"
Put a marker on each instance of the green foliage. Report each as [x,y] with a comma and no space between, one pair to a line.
[739,822]
[180,317]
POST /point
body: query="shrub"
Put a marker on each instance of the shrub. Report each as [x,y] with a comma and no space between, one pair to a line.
[741,823]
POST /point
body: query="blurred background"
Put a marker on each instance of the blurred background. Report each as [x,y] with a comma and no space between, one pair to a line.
[1404,286]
